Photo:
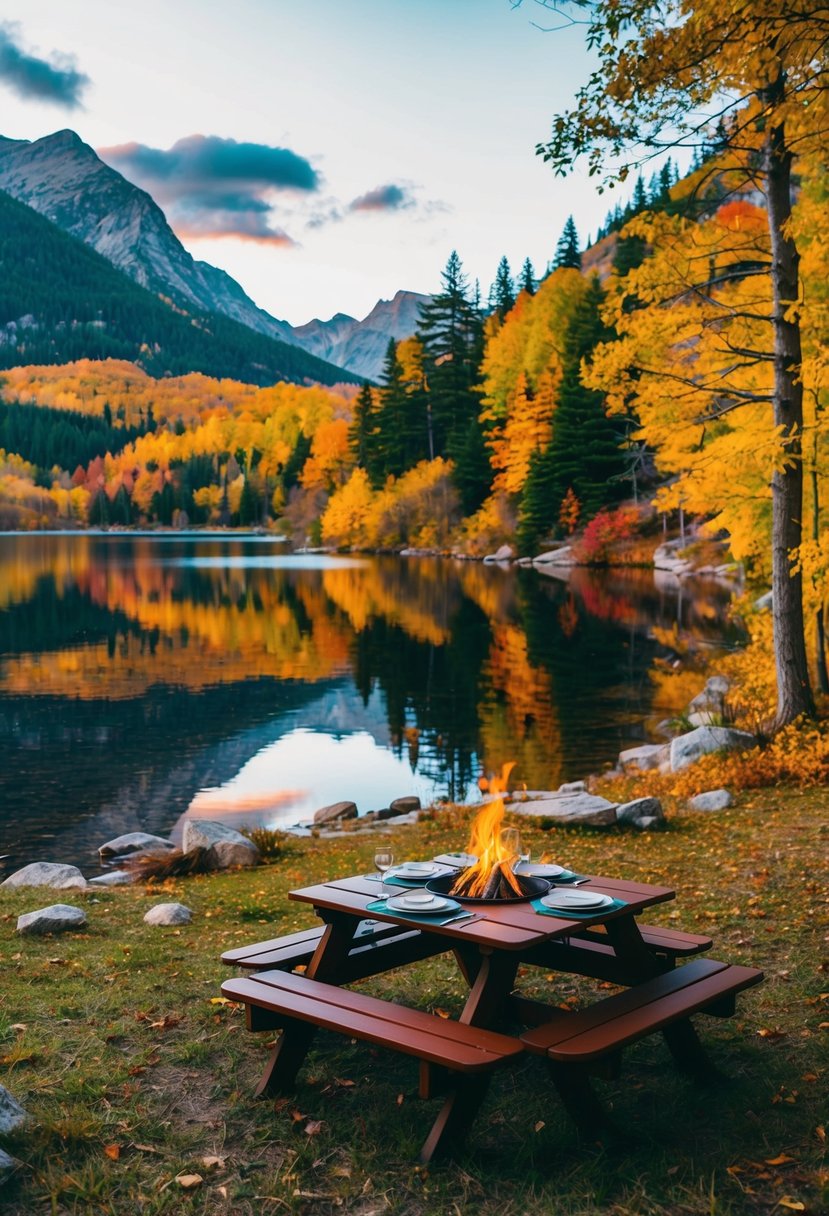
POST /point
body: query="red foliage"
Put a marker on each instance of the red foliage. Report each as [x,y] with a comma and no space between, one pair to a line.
[604,531]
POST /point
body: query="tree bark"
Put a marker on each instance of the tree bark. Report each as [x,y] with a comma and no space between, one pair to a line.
[794,693]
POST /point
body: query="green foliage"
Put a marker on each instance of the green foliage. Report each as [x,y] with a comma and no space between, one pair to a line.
[48,437]
[567,250]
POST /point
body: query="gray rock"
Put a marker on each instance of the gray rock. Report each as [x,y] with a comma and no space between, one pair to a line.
[712,800]
[712,697]
[12,1114]
[563,556]
[587,809]
[649,824]
[685,749]
[402,806]
[54,919]
[168,914]
[572,787]
[640,808]
[134,842]
[648,756]
[46,874]
[7,1166]
[335,812]
[112,878]
[225,847]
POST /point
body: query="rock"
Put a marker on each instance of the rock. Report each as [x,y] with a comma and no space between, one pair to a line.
[649,823]
[685,749]
[400,820]
[225,847]
[7,1166]
[587,809]
[648,756]
[54,919]
[563,556]
[712,697]
[335,812]
[764,602]
[112,878]
[712,800]
[134,842]
[46,874]
[168,914]
[12,1114]
[402,806]
[703,717]
[572,787]
[503,554]
[640,808]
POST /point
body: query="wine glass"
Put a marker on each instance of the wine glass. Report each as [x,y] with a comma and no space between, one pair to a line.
[511,845]
[383,859]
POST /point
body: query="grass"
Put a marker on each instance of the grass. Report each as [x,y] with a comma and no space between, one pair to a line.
[114,1041]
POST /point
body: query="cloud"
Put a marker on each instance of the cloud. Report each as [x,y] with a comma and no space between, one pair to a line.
[55,80]
[384,198]
[211,186]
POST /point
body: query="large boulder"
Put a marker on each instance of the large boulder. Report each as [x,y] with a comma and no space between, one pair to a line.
[7,1166]
[404,805]
[563,556]
[711,800]
[336,812]
[12,1114]
[712,697]
[134,842]
[57,918]
[641,808]
[46,874]
[504,554]
[647,756]
[112,878]
[589,810]
[686,749]
[572,787]
[168,914]
[225,847]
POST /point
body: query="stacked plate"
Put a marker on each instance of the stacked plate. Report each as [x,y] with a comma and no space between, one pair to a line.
[417,871]
[565,899]
[540,869]
[421,903]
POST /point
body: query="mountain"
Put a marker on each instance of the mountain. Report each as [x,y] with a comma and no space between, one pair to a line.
[360,346]
[61,301]
[67,182]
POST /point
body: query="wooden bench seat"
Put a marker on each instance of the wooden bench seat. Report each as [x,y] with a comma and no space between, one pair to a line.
[283,999]
[296,949]
[701,986]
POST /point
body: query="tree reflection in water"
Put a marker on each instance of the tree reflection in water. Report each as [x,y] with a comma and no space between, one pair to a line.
[136,671]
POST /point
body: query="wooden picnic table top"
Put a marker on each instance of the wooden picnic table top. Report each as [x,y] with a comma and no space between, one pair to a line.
[496,926]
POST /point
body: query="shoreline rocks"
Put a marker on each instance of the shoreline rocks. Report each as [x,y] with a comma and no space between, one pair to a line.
[52,874]
[225,847]
[57,918]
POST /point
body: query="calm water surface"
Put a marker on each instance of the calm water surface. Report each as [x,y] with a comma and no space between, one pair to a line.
[142,678]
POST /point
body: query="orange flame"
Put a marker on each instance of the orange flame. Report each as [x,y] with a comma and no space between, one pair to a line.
[487,844]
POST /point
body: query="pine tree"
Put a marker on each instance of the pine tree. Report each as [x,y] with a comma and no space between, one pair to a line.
[527,277]
[362,434]
[503,289]
[567,249]
[585,451]
[392,428]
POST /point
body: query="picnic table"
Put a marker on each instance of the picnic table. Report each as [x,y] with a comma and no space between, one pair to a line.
[458,1057]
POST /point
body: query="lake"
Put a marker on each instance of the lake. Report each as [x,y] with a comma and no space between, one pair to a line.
[145,677]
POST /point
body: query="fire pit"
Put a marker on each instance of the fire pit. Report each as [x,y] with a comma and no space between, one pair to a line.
[491,879]
[527,888]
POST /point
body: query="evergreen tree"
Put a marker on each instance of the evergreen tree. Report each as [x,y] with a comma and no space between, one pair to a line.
[585,453]
[527,282]
[502,295]
[250,506]
[392,421]
[567,249]
[362,434]
[536,517]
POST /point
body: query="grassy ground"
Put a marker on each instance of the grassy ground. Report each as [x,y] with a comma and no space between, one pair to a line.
[135,1076]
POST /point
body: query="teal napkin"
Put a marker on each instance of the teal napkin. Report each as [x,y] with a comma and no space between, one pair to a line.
[569,914]
[441,918]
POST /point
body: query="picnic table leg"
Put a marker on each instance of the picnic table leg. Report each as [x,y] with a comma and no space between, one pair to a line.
[579,1098]
[456,1117]
[487,1002]
[681,1038]
[291,1048]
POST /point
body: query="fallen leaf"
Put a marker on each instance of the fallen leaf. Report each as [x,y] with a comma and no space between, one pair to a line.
[189,1181]
[539,1125]
[220,1000]
[442,1013]
[147,1148]
[113,1151]
[298,1117]
[820,1132]
[313,1127]
[793,1205]
[399,1099]
[213,1163]
[782,1159]
[19,1027]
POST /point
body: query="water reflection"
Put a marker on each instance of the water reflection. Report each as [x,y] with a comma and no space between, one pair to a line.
[136,672]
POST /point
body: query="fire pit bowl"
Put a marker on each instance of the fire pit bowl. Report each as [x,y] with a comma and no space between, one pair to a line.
[532,888]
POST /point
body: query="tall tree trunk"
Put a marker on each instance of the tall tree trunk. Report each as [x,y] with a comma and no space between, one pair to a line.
[794,694]
[820,628]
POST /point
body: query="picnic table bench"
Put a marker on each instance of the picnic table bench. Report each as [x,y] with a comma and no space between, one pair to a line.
[458,1057]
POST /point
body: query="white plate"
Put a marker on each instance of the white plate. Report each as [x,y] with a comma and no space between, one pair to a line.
[576,901]
[459,860]
[417,869]
[414,903]
[539,870]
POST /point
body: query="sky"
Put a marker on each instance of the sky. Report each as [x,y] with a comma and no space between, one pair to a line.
[325,153]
